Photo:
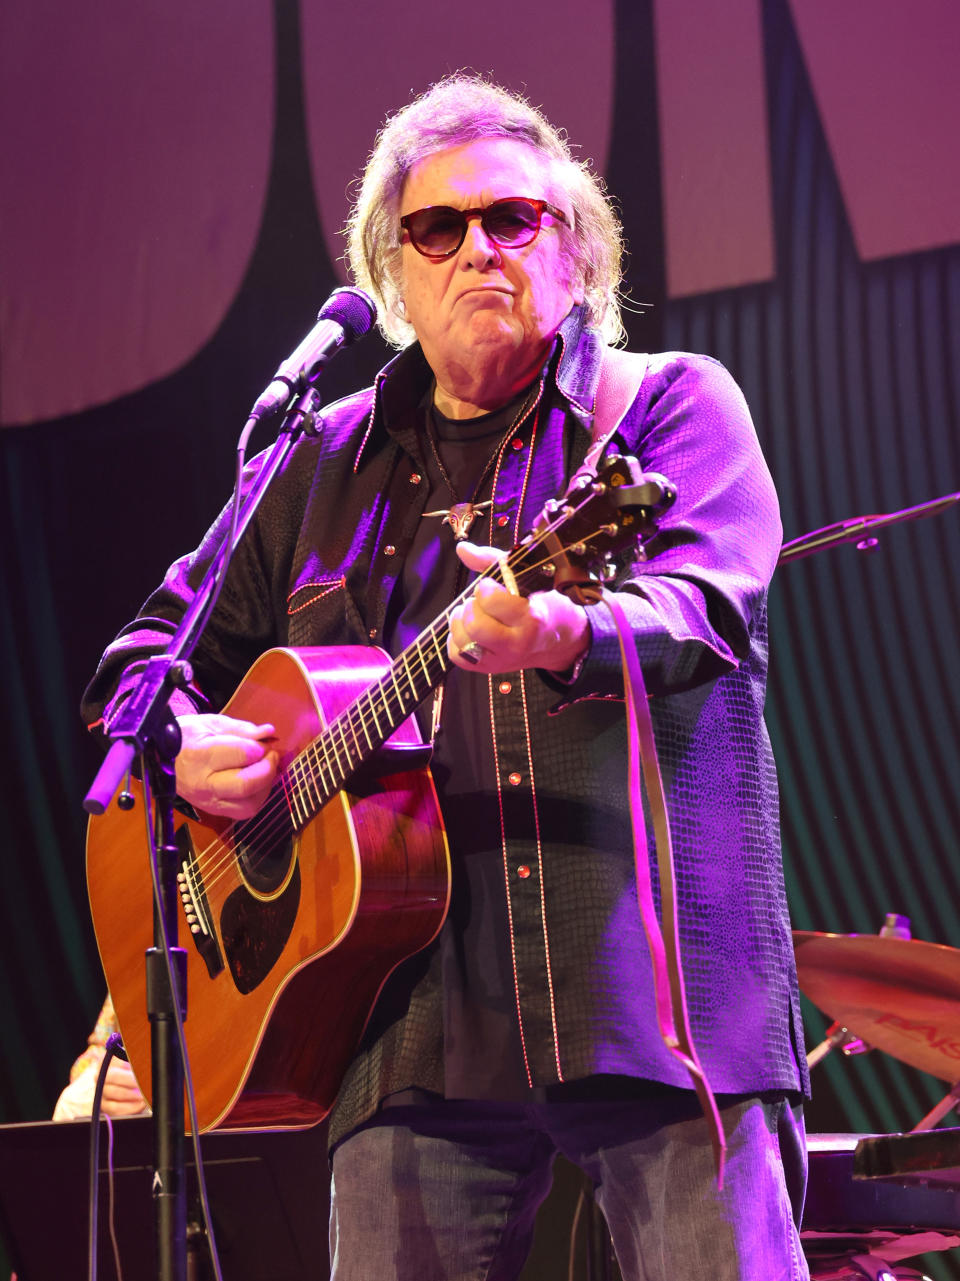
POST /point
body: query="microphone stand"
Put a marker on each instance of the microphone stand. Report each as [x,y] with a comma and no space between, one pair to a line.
[146,727]
[859,529]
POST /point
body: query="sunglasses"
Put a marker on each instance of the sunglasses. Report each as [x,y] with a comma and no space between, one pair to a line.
[438,231]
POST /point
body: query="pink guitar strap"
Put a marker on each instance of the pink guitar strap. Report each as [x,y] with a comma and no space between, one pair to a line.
[621,375]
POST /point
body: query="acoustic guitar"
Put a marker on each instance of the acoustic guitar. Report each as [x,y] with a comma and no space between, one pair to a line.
[294,919]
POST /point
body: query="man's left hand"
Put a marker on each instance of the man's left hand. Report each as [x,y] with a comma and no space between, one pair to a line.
[503,632]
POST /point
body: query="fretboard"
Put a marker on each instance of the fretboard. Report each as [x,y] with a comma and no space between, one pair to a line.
[325,764]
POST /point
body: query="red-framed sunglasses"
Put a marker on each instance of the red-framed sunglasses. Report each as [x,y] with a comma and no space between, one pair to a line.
[438,231]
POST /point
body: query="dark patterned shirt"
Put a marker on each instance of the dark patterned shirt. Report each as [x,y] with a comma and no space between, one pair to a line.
[537,817]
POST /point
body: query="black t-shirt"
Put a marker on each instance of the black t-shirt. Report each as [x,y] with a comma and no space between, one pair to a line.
[483,1056]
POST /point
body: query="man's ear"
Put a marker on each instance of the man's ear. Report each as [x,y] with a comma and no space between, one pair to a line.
[578,284]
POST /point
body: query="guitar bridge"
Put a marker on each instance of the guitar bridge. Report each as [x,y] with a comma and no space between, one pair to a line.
[195,906]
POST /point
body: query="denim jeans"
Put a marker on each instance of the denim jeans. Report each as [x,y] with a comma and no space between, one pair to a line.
[450,1191]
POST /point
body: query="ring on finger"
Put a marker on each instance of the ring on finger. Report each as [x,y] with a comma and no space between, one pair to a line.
[473,652]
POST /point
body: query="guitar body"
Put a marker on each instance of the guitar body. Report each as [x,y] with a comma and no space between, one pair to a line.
[301,931]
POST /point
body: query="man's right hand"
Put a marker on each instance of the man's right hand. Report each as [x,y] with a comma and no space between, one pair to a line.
[225,766]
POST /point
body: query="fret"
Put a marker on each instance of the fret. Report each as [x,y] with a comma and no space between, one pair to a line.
[396,685]
[372,704]
[308,786]
[325,771]
[304,781]
[441,654]
[363,725]
[352,739]
[331,736]
[422,660]
[313,791]
[351,746]
[300,815]
[382,694]
[408,673]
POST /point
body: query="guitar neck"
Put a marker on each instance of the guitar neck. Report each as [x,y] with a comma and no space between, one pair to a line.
[351,739]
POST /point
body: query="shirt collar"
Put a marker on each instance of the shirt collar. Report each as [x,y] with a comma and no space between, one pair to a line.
[578,369]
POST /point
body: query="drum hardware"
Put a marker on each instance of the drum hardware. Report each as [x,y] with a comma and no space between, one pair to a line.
[907,1007]
[865,1214]
[859,529]
[875,1201]
[841,1038]
[899,995]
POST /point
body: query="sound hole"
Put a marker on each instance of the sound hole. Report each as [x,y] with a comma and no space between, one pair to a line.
[264,848]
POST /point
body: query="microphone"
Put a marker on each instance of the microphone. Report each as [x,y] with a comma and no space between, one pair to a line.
[347,314]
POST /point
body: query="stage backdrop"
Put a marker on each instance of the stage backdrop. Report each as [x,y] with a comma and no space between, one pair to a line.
[173,178]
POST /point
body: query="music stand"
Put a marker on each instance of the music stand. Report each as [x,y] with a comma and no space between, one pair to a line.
[269,1198]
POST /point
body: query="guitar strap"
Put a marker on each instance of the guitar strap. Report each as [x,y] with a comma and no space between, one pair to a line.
[621,374]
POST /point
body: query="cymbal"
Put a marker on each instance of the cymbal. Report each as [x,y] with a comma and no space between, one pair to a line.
[900,995]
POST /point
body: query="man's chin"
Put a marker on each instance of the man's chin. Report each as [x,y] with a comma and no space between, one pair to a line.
[488,329]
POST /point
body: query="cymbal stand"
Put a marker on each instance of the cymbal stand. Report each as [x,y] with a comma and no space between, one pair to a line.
[939,1111]
[838,1038]
[877,1269]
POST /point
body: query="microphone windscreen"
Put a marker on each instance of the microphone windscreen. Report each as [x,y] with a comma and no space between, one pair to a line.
[352,309]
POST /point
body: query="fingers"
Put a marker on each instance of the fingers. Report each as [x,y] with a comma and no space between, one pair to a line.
[226,766]
[205,729]
[130,1105]
[121,1094]
[491,612]
[495,631]
[476,557]
[483,558]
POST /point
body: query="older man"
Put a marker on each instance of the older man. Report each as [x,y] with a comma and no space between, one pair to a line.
[529,1026]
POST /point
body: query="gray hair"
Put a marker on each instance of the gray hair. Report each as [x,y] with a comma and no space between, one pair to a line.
[462,108]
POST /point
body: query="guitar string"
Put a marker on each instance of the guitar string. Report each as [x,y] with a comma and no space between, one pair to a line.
[277,815]
[315,761]
[274,828]
[273,821]
[277,812]
[276,818]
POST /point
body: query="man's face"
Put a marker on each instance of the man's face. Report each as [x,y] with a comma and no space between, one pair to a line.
[486,316]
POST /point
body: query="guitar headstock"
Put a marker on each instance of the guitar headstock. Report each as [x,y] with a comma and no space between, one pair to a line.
[574,538]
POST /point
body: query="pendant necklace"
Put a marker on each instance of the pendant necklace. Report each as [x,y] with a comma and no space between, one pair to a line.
[461,515]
